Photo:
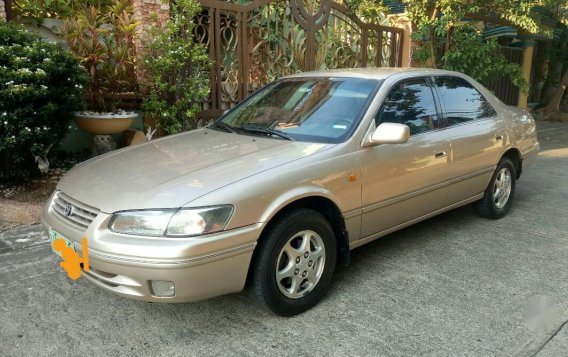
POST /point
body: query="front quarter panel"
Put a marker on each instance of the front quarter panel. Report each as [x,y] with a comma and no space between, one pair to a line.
[259,198]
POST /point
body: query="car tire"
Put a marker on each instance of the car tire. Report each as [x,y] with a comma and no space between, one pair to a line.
[294,262]
[499,193]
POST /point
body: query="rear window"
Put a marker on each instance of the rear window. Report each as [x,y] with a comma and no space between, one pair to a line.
[462,102]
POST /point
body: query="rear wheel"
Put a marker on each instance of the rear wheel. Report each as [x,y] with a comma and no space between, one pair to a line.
[499,194]
[295,262]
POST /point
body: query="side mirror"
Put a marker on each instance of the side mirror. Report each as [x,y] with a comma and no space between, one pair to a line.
[390,133]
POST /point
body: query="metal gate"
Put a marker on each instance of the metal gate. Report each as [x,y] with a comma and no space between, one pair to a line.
[254,42]
[503,87]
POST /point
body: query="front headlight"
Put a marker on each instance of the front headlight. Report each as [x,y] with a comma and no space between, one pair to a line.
[184,222]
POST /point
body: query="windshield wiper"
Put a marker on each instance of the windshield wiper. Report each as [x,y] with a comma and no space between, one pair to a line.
[223,126]
[255,128]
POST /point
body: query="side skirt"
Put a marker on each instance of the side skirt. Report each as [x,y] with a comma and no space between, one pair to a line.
[372,237]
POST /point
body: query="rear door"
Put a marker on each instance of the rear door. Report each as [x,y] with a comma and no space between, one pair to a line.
[402,182]
[477,136]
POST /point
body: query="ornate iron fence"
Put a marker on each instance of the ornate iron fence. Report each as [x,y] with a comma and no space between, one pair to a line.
[254,42]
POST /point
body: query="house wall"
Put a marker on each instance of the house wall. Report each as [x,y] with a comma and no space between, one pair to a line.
[143,10]
[2,9]
[402,21]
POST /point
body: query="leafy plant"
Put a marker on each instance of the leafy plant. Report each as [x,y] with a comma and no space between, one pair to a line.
[39,10]
[370,11]
[556,11]
[468,52]
[447,41]
[41,84]
[175,69]
[102,38]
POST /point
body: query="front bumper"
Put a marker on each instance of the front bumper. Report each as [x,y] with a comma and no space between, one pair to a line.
[200,267]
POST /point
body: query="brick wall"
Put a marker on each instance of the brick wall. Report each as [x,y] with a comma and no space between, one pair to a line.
[143,10]
[2,10]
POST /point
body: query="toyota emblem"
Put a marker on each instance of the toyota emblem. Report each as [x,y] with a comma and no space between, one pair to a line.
[68,210]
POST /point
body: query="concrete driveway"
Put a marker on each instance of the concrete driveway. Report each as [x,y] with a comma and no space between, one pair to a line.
[453,285]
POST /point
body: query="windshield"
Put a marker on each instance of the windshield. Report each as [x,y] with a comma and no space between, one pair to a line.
[323,110]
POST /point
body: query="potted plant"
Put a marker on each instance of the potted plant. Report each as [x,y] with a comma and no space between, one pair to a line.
[102,38]
[176,71]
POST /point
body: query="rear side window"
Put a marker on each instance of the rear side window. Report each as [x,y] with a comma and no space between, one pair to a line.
[410,103]
[462,101]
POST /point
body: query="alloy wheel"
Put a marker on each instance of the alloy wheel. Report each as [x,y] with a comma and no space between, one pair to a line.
[502,187]
[300,264]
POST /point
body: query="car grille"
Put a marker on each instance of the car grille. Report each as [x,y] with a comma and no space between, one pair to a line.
[81,214]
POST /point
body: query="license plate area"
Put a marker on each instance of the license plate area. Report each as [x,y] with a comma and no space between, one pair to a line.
[53,235]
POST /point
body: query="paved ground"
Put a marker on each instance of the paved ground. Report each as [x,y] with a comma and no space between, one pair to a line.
[453,285]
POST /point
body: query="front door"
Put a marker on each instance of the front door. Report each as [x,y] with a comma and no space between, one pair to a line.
[402,182]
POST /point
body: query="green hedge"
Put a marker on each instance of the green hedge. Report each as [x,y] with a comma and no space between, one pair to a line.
[41,84]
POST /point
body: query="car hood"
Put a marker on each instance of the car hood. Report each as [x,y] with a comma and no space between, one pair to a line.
[170,172]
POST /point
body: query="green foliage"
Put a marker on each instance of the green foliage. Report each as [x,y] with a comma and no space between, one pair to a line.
[556,12]
[448,12]
[482,60]
[102,38]
[175,69]
[468,52]
[369,11]
[40,86]
[448,42]
[41,9]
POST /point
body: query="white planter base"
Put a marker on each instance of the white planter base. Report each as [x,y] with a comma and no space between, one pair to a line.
[103,144]
[103,126]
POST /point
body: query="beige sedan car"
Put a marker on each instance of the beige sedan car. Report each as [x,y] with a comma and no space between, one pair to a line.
[279,190]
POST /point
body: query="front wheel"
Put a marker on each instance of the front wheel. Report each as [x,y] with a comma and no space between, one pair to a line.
[499,194]
[295,262]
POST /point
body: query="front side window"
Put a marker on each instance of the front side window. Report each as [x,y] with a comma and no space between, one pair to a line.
[325,110]
[410,103]
[462,101]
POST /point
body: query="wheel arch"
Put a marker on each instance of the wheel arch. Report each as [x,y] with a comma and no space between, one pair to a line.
[319,203]
[515,155]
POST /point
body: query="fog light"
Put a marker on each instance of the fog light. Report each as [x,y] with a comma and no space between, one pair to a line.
[163,288]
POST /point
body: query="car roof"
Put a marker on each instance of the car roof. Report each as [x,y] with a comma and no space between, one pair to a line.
[373,72]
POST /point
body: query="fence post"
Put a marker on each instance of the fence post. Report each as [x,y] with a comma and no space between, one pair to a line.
[528,50]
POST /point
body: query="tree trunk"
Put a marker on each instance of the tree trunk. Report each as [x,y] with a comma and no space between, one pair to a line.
[433,48]
[554,103]
[552,110]
[551,85]
[447,44]
[8,9]
[541,67]
[433,40]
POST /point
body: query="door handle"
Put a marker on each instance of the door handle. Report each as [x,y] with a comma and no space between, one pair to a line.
[440,154]
[498,137]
